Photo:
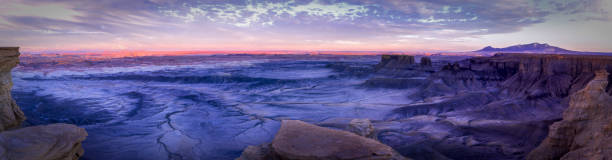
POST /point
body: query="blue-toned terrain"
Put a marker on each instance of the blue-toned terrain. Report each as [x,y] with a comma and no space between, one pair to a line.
[209,109]
[214,106]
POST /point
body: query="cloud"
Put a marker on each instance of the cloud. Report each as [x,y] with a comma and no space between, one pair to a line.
[50,11]
[340,22]
[265,13]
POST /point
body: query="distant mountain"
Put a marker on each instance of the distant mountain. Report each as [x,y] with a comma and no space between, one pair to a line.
[534,48]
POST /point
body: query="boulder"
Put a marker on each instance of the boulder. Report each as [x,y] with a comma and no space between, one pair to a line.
[48,142]
[11,115]
[302,141]
[362,127]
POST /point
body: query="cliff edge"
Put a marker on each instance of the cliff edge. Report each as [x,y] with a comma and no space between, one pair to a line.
[586,128]
[10,114]
[46,142]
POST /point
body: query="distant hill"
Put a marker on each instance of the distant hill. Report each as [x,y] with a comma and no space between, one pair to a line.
[534,48]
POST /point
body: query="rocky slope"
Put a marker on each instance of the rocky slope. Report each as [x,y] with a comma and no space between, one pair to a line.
[586,128]
[49,142]
[495,107]
[302,141]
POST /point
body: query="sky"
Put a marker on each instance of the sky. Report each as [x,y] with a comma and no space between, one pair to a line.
[335,25]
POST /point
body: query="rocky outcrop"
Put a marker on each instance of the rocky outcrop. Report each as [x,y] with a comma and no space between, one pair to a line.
[302,141]
[586,128]
[10,114]
[426,62]
[49,142]
[395,62]
[361,127]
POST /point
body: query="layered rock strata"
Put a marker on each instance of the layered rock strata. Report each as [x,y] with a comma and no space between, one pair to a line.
[48,142]
[495,107]
[586,128]
[532,75]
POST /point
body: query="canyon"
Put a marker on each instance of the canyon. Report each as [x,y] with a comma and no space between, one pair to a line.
[505,106]
[497,107]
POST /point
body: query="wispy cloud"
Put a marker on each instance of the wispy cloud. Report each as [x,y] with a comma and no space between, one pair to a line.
[194,23]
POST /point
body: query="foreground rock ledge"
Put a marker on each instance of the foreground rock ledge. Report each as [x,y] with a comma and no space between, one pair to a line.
[52,142]
[302,141]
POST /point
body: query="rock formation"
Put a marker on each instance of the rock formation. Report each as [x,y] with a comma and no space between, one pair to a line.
[11,115]
[586,129]
[495,107]
[531,75]
[48,142]
[426,61]
[303,141]
[361,127]
[395,62]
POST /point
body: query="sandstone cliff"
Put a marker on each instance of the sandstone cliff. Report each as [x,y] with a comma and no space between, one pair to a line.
[10,114]
[49,142]
[531,75]
[586,129]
